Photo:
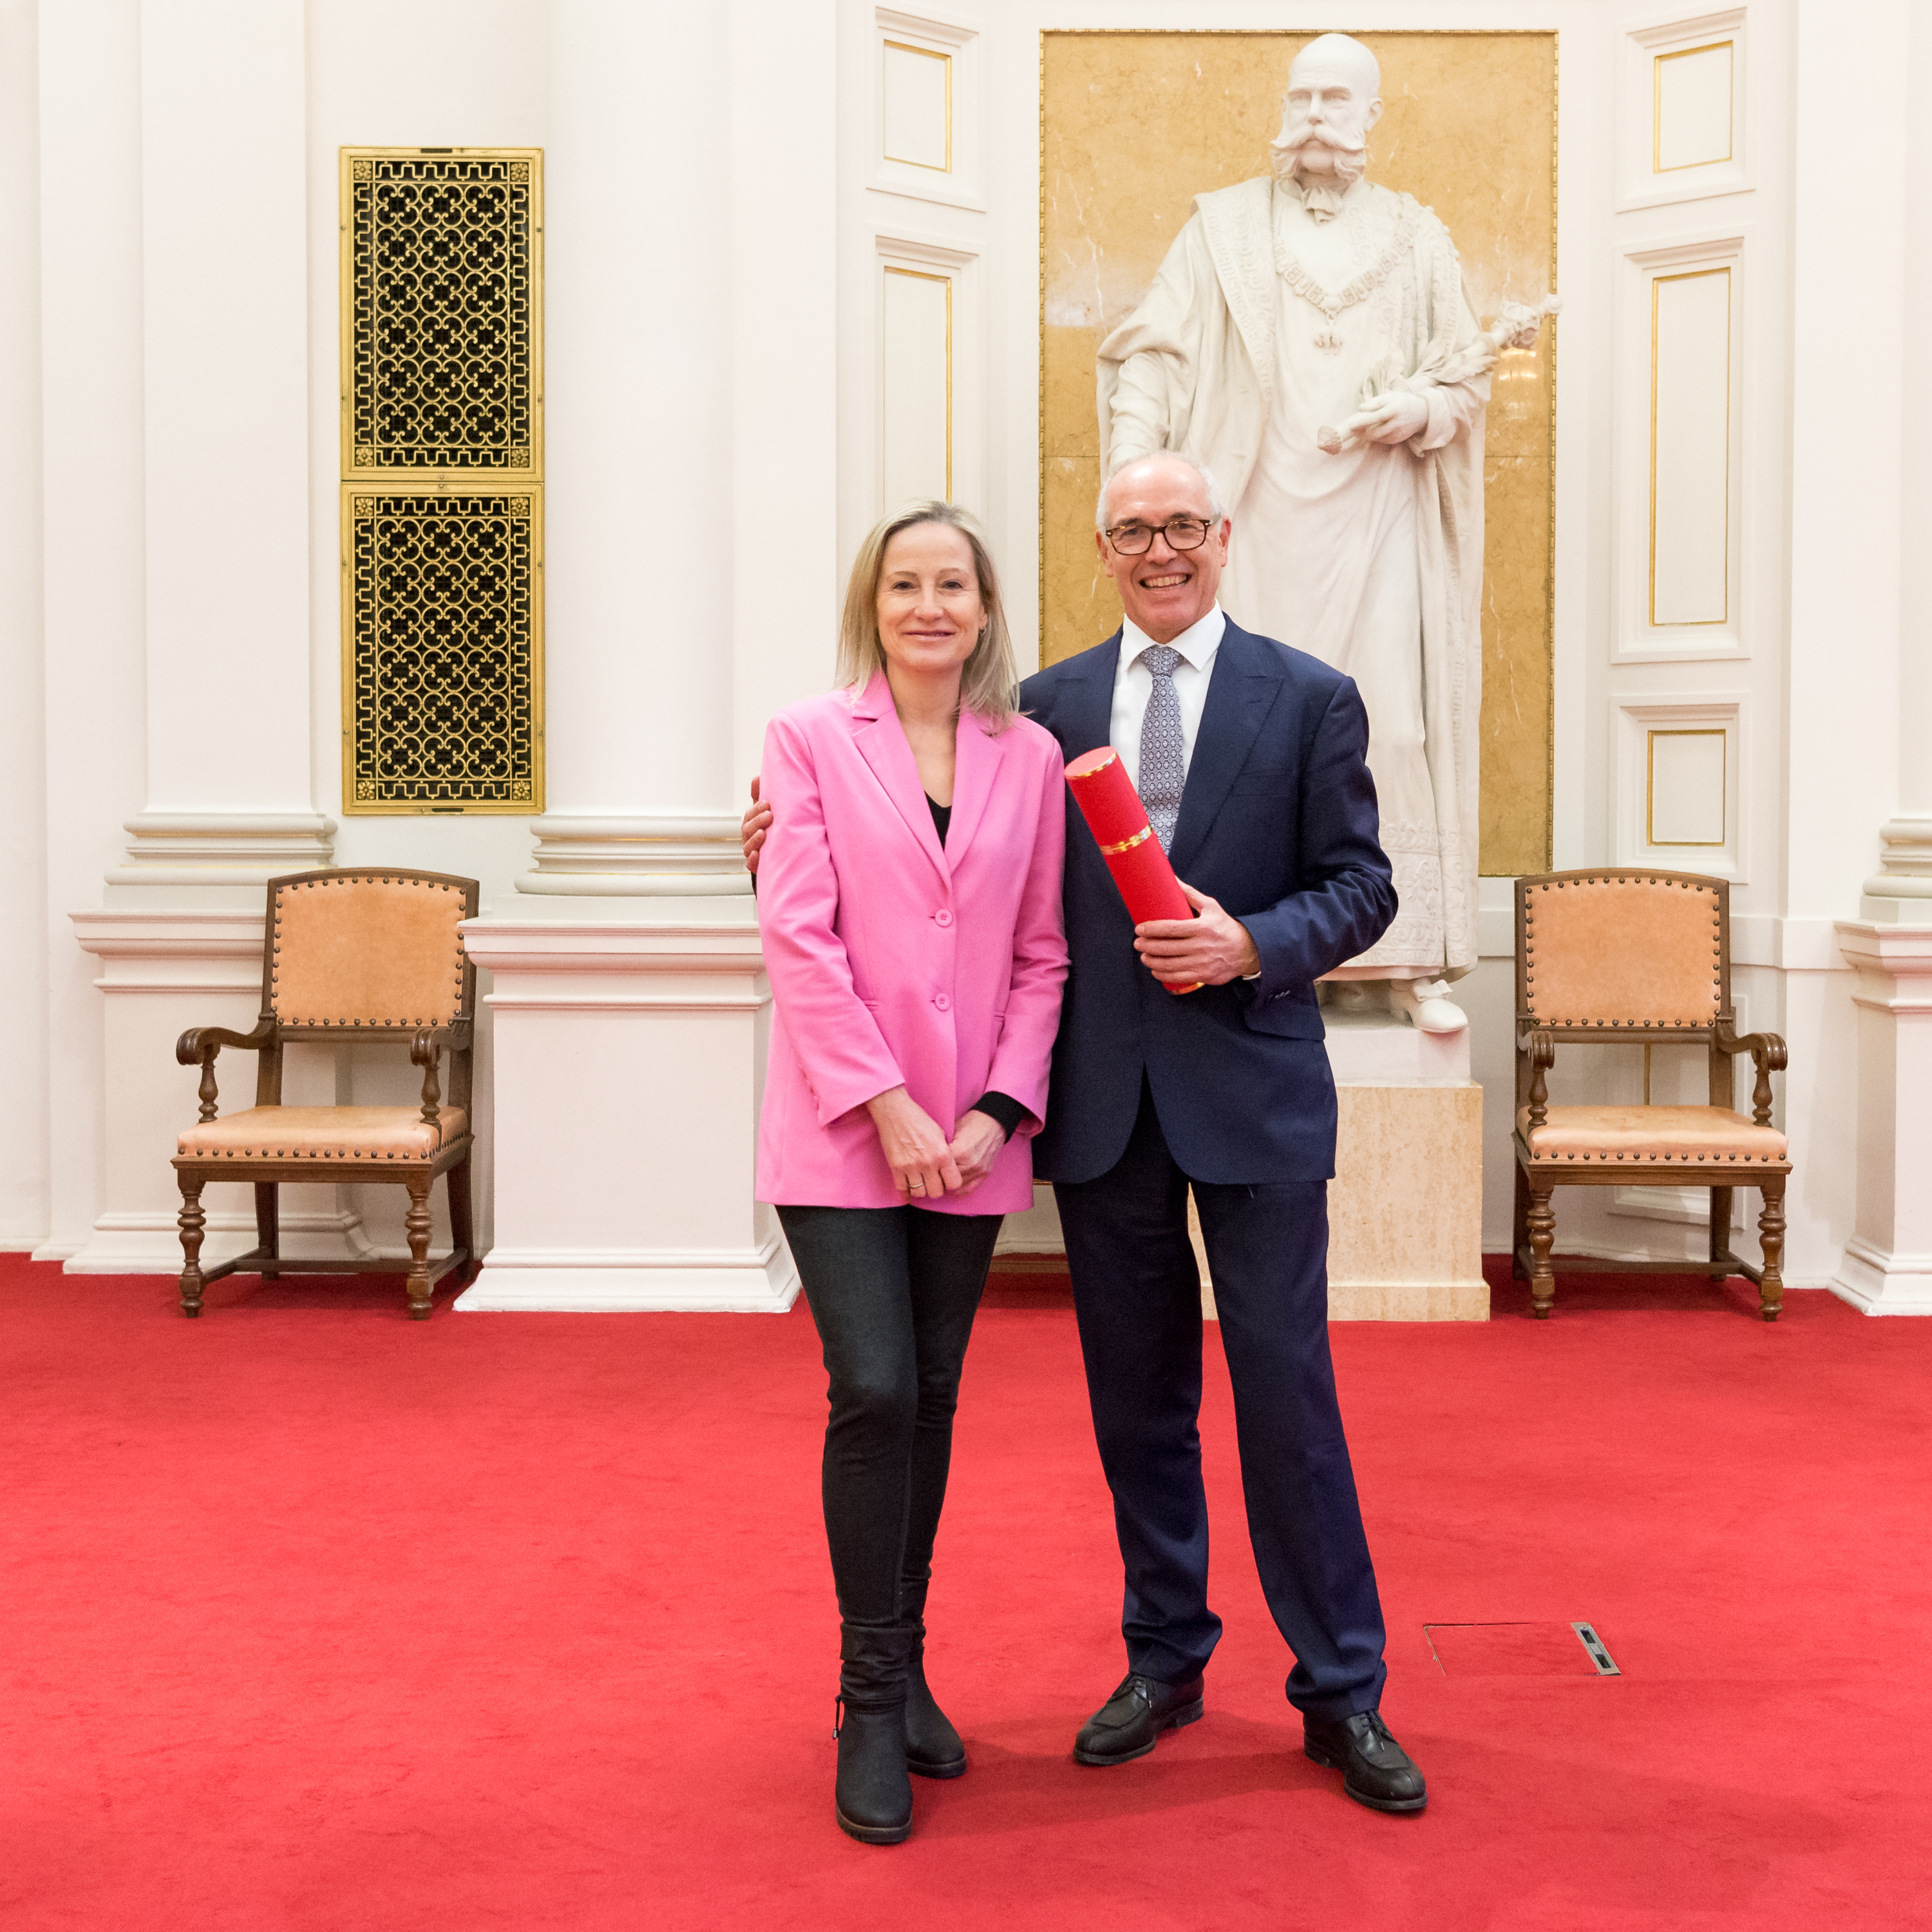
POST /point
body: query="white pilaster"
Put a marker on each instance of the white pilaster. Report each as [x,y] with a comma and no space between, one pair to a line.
[1887,1266]
[630,1060]
[637,450]
[207,472]
[95,541]
[691,592]
[23,812]
[1846,477]
[225,338]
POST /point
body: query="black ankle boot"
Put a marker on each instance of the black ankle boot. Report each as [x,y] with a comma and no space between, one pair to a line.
[933,1746]
[874,1796]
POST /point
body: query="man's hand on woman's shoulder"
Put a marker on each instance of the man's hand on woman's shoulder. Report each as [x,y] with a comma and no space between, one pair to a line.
[752,832]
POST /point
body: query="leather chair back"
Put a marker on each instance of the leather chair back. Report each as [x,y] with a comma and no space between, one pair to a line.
[353,950]
[1622,950]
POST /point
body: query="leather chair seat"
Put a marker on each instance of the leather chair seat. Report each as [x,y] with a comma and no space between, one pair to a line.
[1680,1136]
[323,1133]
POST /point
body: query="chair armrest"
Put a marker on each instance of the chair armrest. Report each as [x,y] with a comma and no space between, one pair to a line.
[1542,1056]
[198,1045]
[200,1042]
[1766,1049]
[426,1051]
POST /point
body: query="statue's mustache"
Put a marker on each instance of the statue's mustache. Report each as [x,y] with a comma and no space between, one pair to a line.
[1315,137]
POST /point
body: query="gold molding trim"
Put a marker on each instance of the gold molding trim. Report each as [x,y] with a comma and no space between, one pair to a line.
[934,275]
[483,661]
[1730,290]
[946,60]
[1657,61]
[1651,737]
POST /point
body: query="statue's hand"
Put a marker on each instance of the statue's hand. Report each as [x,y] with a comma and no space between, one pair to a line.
[1394,418]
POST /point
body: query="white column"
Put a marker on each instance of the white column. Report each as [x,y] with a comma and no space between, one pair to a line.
[195,579]
[1845,543]
[225,341]
[1887,1264]
[24,1175]
[95,541]
[690,320]
[637,455]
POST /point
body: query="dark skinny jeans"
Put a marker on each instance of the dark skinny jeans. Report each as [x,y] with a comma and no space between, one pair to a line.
[893,1291]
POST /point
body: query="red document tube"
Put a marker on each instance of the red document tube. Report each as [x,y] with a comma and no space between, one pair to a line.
[1118,821]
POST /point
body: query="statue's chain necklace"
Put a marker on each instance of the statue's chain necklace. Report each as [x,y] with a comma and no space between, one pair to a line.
[1288,267]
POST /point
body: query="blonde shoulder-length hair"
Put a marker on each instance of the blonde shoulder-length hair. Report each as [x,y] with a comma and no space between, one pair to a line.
[989,680]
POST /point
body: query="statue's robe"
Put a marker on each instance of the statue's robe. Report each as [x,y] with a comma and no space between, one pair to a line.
[1371,559]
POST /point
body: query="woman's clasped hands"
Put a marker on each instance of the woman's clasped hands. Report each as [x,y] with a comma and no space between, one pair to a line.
[924,1164]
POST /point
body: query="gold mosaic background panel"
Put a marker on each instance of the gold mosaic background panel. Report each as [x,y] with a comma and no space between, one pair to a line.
[1133,126]
[442,650]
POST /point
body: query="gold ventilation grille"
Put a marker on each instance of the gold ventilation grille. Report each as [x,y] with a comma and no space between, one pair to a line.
[442,315]
[444,662]
[441,293]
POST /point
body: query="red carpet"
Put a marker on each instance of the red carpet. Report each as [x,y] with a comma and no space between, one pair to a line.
[316,1618]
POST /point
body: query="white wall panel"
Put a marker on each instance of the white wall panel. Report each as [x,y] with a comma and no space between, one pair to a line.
[1692,97]
[915,384]
[1681,108]
[1691,397]
[927,99]
[915,96]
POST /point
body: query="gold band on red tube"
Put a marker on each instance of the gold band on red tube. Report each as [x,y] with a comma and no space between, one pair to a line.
[1128,844]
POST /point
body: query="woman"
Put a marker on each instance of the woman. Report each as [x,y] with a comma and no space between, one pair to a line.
[909,901]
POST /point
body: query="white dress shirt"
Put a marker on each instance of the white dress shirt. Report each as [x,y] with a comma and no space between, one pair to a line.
[1133,685]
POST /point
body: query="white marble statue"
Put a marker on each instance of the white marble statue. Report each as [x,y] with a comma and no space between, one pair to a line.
[1309,339]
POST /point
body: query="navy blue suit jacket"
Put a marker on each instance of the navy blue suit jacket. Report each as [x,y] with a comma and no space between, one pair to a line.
[1278,822]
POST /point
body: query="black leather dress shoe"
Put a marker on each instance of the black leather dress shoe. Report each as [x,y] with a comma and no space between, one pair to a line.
[1376,1770]
[1129,1724]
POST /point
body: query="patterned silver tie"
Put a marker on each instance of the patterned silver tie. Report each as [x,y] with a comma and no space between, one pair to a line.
[1163,771]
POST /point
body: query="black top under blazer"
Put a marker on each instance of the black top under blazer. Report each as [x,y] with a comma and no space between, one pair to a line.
[1278,822]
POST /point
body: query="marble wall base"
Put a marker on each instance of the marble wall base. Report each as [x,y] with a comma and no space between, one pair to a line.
[1405,1208]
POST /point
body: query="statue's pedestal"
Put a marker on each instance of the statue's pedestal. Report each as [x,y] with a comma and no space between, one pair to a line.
[1405,1207]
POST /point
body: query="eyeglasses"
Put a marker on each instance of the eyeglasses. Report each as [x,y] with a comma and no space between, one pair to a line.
[1181,533]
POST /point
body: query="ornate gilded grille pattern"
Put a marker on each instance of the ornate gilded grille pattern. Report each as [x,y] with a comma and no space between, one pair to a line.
[442,292]
[442,317]
[442,593]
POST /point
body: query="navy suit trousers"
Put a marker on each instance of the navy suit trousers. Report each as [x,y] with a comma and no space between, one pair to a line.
[1136,1291]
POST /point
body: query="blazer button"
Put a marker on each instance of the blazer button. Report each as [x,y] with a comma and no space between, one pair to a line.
[943,917]
[940,1000]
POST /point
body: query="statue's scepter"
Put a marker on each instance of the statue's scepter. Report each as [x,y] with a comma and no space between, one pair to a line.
[1516,327]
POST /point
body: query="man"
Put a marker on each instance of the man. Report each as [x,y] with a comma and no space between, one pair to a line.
[1250,757]
[1313,300]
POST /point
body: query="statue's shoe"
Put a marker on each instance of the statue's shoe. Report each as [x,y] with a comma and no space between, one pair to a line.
[1426,1005]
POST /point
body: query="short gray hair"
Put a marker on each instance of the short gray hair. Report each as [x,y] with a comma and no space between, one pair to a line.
[1217,511]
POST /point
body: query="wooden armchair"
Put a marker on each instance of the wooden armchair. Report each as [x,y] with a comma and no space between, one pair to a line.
[354,954]
[1614,957]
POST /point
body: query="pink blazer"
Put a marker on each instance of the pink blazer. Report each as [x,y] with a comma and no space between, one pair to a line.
[893,960]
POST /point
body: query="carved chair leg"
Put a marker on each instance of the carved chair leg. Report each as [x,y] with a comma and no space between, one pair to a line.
[462,1220]
[417,1221]
[1720,1233]
[1771,1238]
[269,1224]
[1519,1225]
[1542,1218]
[193,1220]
